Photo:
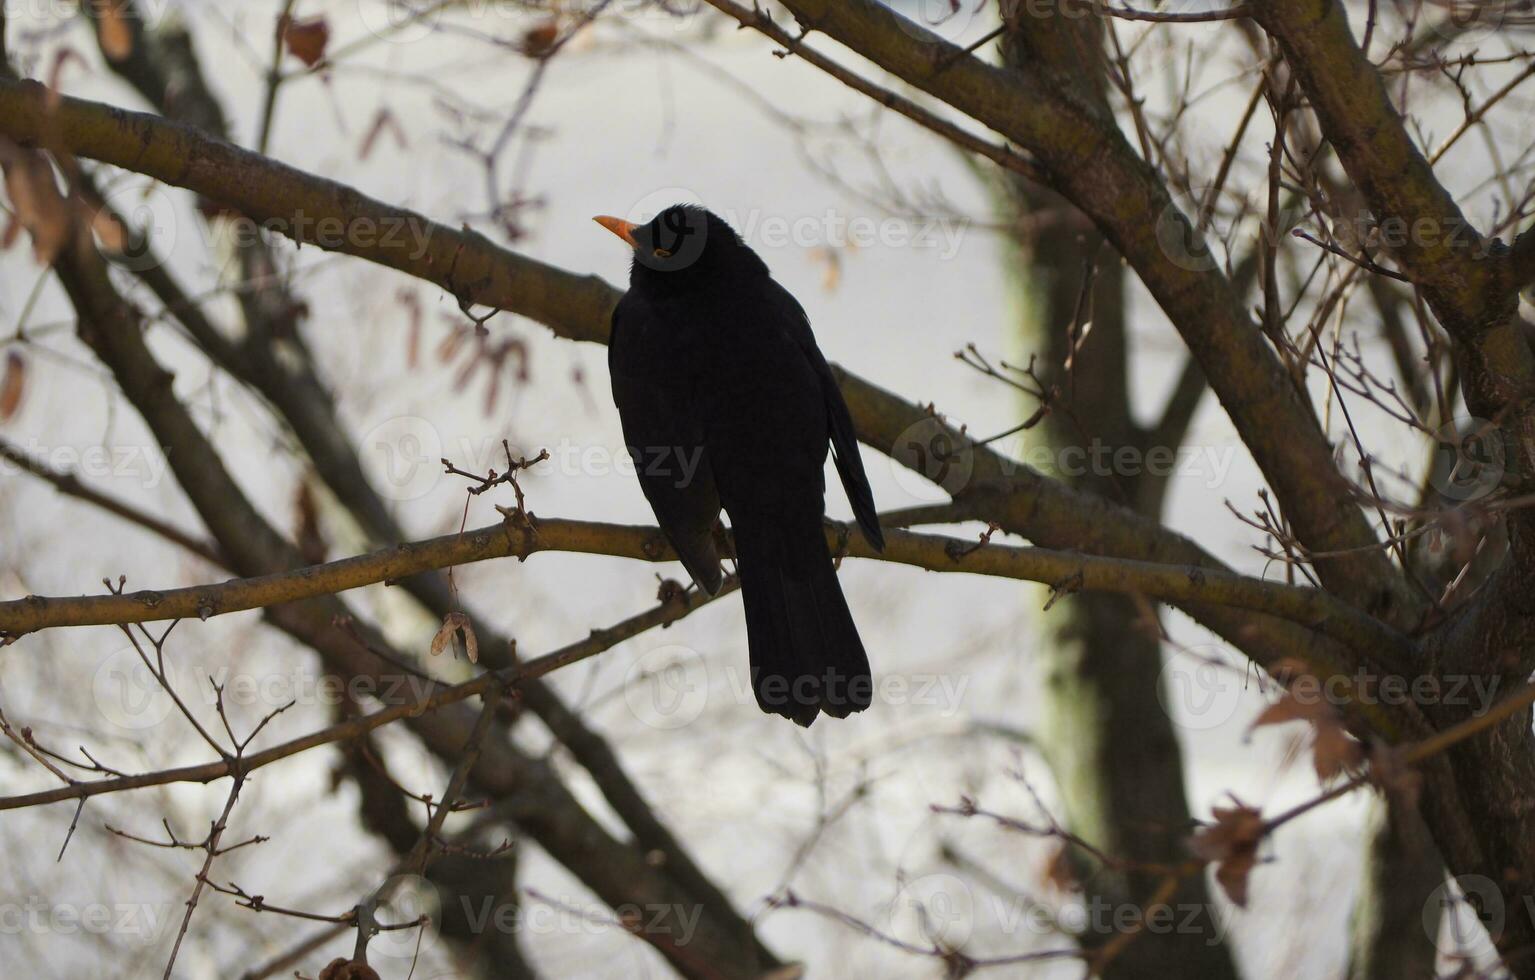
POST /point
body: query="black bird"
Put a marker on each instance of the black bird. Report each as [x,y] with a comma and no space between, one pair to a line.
[726,401]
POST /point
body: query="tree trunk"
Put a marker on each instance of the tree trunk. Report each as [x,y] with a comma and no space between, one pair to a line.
[1112,747]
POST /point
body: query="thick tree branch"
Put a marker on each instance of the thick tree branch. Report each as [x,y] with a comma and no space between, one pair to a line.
[309,210]
[1066,571]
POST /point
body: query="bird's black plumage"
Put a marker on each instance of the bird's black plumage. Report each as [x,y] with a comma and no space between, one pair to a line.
[726,401]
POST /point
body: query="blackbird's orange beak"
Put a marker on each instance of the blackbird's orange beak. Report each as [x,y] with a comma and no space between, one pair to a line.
[618,226]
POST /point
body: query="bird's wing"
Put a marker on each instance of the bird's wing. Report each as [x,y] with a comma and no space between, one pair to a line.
[665,438]
[844,440]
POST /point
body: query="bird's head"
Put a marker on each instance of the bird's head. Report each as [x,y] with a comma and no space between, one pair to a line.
[684,247]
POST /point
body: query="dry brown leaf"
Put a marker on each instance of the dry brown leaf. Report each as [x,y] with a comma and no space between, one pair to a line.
[345,969]
[35,198]
[12,385]
[443,638]
[1286,709]
[1231,843]
[306,39]
[1059,873]
[1232,875]
[1333,750]
[471,643]
[456,622]
[539,39]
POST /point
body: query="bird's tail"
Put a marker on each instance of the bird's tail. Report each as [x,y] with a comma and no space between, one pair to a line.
[806,656]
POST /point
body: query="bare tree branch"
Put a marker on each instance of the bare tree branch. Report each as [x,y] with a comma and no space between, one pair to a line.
[1064,570]
[442,696]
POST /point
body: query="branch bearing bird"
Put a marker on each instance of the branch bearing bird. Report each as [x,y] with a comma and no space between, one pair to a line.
[727,402]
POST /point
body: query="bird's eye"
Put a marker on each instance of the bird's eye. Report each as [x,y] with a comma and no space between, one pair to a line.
[662,253]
